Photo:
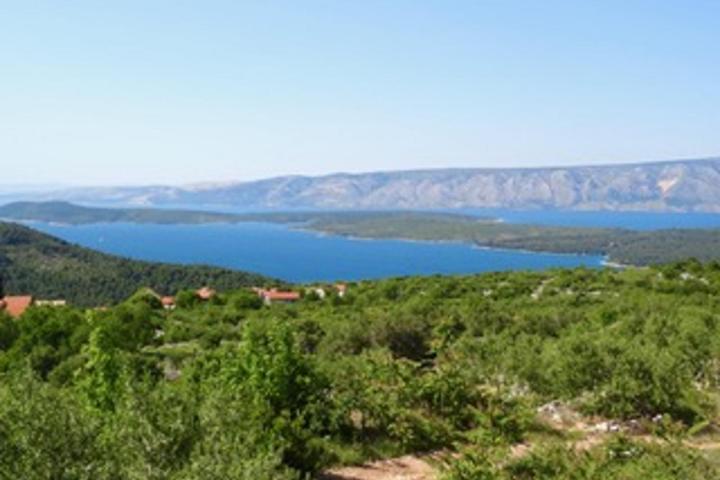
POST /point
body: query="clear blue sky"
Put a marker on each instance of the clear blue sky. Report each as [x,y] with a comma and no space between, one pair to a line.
[151,91]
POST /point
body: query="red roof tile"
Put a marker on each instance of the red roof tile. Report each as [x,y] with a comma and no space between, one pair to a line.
[281,296]
[16,306]
[205,293]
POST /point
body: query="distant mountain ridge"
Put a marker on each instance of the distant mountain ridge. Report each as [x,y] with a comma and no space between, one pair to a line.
[682,185]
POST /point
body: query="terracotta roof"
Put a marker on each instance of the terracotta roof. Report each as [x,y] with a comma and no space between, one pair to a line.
[281,296]
[168,301]
[16,306]
[205,293]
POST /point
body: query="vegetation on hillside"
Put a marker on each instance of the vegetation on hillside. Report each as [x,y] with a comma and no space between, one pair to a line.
[631,247]
[71,214]
[232,388]
[68,213]
[38,264]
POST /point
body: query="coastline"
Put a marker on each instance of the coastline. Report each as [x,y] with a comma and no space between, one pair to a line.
[604,262]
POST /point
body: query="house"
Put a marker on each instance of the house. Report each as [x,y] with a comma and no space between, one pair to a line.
[341,289]
[16,305]
[319,291]
[168,302]
[205,293]
[276,296]
[50,303]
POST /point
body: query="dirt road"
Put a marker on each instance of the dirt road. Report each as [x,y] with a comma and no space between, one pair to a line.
[402,468]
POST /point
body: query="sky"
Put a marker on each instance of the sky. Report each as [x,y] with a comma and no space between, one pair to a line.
[171,92]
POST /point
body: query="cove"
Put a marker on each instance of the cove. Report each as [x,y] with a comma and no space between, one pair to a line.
[301,256]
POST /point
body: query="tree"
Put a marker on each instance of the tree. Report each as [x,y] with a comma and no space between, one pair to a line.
[9,331]
[102,379]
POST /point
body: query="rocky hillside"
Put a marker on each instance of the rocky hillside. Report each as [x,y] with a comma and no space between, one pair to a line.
[663,186]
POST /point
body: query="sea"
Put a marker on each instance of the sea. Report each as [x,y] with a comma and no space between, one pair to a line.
[295,255]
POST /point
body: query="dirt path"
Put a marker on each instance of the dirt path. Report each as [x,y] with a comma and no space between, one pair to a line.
[589,433]
[403,468]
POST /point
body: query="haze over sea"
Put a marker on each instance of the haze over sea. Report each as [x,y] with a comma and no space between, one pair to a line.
[301,256]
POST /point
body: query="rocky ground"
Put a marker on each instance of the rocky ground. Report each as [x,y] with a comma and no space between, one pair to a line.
[403,468]
[587,432]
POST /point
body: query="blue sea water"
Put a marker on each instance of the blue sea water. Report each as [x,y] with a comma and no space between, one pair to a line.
[300,256]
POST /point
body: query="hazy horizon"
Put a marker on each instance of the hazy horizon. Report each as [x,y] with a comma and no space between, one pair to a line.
[10,187]
[174,93]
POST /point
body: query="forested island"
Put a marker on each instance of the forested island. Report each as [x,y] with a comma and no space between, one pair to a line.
[71,214]
[621,246]
[564,374]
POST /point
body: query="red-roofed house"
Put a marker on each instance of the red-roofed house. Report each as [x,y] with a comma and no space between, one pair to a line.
[205,293]
[16,305]
[168,302]
[274,295]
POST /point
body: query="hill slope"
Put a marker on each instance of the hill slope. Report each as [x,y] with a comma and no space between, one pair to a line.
[663,186]
[72,214]
[65,212]
[38,264]
[631,247]
[565,374]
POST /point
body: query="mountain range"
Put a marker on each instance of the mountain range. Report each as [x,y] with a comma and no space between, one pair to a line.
[681,185]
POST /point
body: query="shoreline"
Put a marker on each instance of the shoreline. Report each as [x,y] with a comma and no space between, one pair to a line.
[322,233]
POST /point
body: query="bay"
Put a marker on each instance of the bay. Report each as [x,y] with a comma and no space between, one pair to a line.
[301,256]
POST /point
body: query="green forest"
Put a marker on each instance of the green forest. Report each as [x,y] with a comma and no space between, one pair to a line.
[564,374]
[623,246]
[71,214]
[46,267]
